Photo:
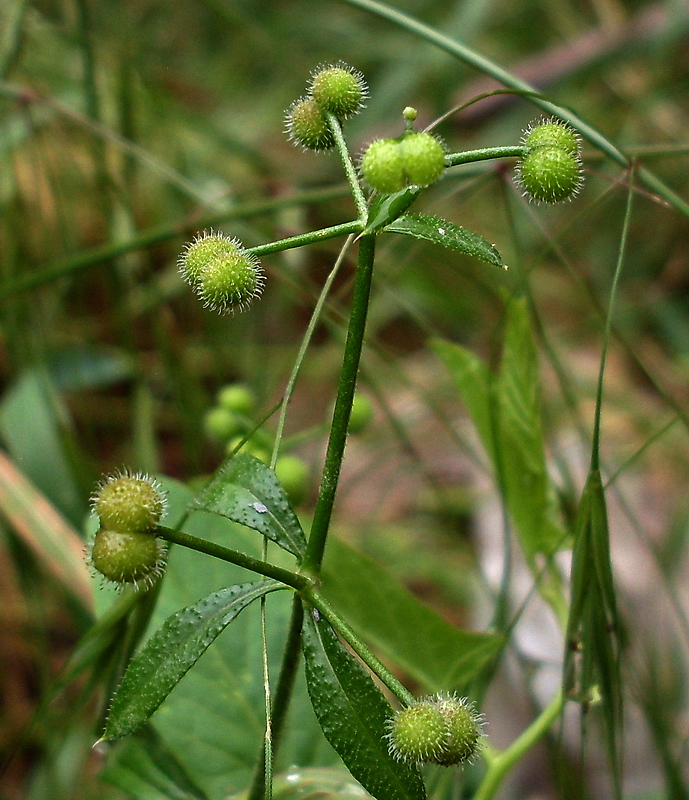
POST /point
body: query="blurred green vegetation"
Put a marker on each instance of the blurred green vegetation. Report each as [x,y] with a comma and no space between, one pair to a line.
[127,127]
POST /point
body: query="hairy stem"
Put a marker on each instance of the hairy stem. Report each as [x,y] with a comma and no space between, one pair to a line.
[343,407]
[349,168]
[484,154]
[285,576]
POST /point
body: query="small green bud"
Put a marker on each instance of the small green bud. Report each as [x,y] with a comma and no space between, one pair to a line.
[127,502]
[128,557]
[224,275]
[551,133]
[418,733]
[293,474]
[362,414]
[238,398]
[549,174]
[382,166]
[221,424]
[410,114]
[423,157]
[339,89]
[307,126]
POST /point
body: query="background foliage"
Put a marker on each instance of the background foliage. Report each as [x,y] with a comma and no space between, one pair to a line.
[124,129]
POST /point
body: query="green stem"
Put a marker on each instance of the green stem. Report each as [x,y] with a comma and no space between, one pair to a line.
[484,154]
[293,579]
[322,235]
[499,765]
[349,168]
[360,648]
[343,407]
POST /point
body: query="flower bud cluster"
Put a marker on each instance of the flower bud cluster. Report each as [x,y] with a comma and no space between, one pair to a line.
[415,159]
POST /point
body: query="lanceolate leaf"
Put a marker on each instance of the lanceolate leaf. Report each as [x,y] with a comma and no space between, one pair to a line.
[593,631]
[386,208]
[447,234]
[245,490]
[173,650]
[412,635]
[353,713]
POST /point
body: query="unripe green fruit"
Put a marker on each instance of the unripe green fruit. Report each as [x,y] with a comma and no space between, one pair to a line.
[417,159]
[362,414]
[307,125]
[549,174]
[293,474]
[382,166]
[423,157]
[339,89]
[128,556]
[464,731]
[224,275]
[221,424]
[237,398]
[127,502]
[552,133]
[418,733]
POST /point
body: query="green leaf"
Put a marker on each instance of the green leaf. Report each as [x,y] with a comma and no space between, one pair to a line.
[246,491]
[530,494]
[144,767]
[213,721]
[171,652]
[353,714]
[386,208]
[433,652]
[446,234]
[593,629]
[473,381]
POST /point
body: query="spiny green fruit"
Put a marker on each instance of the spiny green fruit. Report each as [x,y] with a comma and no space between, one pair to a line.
[339,89]
[221,424]
[128,557]
[549,174]
[307,126]
[293,474]
[224,275]
[464,726]
[551,133]
[238,398]
[423,157]
[418,733]
[417,159]
[383,167]
[129,502]
[362,414]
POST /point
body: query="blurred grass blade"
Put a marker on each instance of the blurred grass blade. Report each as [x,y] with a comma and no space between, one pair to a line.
[173,650]
[353,714]
[433,652]
[446,234]
[530,493]
[246,491]
[592,655]
[144,767]
[43,529]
